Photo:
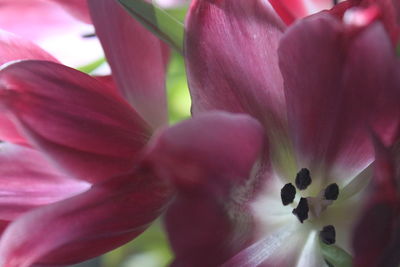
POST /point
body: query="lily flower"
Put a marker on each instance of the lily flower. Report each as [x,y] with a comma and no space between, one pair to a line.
[295,194]
[72,185]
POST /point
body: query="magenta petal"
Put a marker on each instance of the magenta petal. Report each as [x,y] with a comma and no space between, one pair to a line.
[234,66]
[28,181]
[85,129]
[376,238]
[209,158]
[137,58]
[105,217]
[337,86]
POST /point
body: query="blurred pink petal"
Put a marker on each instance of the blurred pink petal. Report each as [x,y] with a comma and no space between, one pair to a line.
[51,27]
[16,48]
[137,58]
[78,8]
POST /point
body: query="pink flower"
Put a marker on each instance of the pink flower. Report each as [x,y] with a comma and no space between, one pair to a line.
[299,184]
[46,23]
[72,184]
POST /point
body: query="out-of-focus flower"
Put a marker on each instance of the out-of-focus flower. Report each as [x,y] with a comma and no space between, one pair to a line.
[297,195]
[72,186]
[46,23]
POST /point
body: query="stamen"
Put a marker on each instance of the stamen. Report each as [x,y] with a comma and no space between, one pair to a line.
[331,192]
[302,210]
[303,179]
[328,235]
[335,2]
[288,192]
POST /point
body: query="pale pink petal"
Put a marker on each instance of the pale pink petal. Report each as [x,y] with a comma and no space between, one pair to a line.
[14,48]
[137,58]
[77,8]
[87,225]
[210,160]
[89,132]
[231,57]
[52,28]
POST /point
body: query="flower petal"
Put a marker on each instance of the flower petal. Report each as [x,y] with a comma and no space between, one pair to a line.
[85,129]
[376,237]
[235,67]
[77,8]
[13,48]
[137,58]
[337,85]
[103,218]
[28,181]
[209,158]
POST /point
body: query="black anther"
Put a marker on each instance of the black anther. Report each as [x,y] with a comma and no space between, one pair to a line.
[302,210]
[288,192]
[328,235]
[331,192]
[303,179]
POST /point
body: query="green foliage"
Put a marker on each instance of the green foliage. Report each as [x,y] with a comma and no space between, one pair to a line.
[336,256]
[177,90]
[150,249]
[89,68]
[167,24]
